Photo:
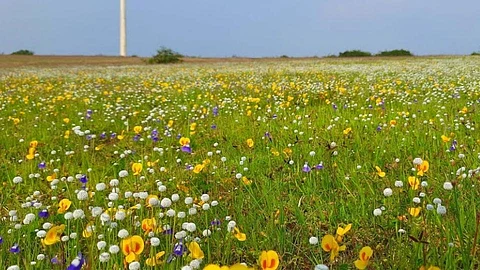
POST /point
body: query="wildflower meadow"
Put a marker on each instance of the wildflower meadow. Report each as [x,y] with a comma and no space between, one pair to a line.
[292,164]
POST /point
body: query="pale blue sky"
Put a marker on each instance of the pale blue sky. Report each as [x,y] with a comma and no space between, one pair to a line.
[244,28]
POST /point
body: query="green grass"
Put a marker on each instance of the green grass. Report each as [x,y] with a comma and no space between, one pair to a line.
[296,113]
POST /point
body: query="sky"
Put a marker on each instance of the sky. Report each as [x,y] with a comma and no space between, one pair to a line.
[246,28]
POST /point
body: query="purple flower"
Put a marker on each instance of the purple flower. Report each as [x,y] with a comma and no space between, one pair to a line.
[88,137]
[215,111]
[319,166]
[186,149]
[77,263]
[113,135]
[213,126]
[179,248]
[42,165]
[55,260]
[136,137]
[179,136]
[1,240]
[83,179]
[334,106]
[306,168]
[168,232]
[189,167]
[274,116]
[103,135]
[379,128]
[43,213]
[215,222]
[15,248]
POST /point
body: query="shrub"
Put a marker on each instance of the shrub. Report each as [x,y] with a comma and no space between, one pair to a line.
[354,53]
[165,56]
[284,56]
[23,52]
[475,53]
[400,52]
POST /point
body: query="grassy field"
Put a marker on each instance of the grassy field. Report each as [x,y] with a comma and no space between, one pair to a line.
[289,164]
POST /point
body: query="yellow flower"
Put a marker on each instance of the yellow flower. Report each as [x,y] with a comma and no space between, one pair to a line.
[237,266]
[275,152]
[16,121]
[195,250]
[132,247]
[53,235]
[67,134]
[445,139]
[137,129]
[193,126]
[379,171]
[66,120]
[137,168]
[414,211]
[51,177]
[430,268]
[149,225]
[31,153]
[170,123]
[184,141]
[287,151]
[342,231]
[464,110]
[63,206]
[239,235]
[246,181]
[250,143]
[422,168]
[365,255]
[329,244]
[269,260]
[414,182]
[347,130]
[156,260]
[88,231]
[198,168]
[33,144]
[393,122]
[121,136]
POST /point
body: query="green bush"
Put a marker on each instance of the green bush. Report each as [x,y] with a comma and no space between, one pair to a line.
[354,53]
[165,56]
[23,52]
[475,53]
[400,52]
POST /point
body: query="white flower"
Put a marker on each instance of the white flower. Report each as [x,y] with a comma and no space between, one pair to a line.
[96,211]
[170,213]
[214,203]
[114,182]
[188,200]
[78,213]
[417,161]
[191,227]
[181,214]
[416,200]
[100,186]
[41,234]
[65,238]
[437,201]
[134,266]
[113,196]
[17,180]
[231,225]
[430,207]
[122,173]
[238,175]
[155,241]
[46,225]
[153,201]
[40,257]
[441,210]
[321,267]
[447,186]
[424,184]
[123,233]
[206,233]
[82,195]
[313,240]
[206,206]
[68,215]
[13,267]
[101,245]
[162,188]
[398,184]
[401,231]
[186,267]
[175,197]
[120,215]
[387,192]
[205,197]
[377,212]
[104,257]
[192,211]
[195,264]
[166,202]
[114,249]
[128,194]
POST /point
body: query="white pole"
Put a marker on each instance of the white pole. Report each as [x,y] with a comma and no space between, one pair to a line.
[123,29]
